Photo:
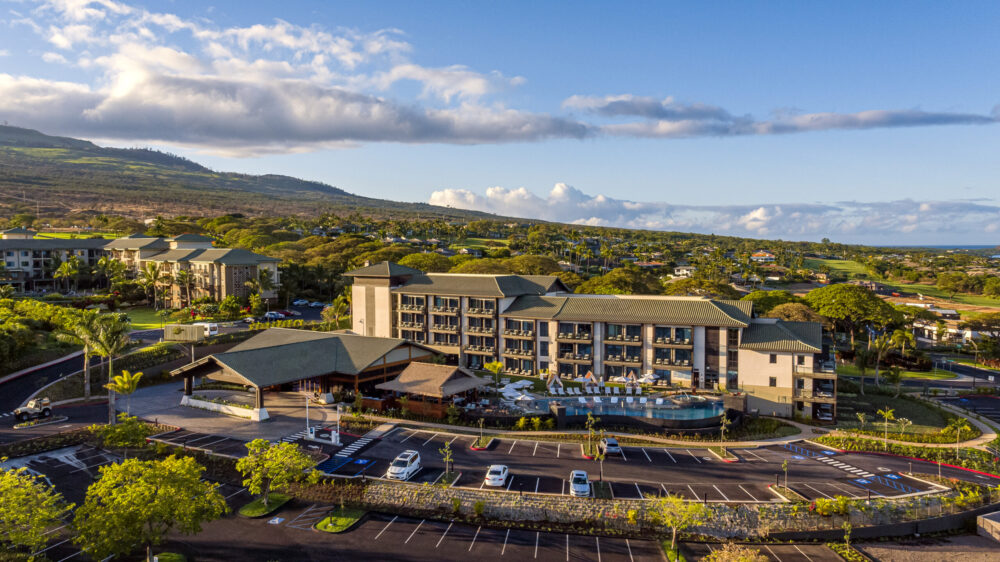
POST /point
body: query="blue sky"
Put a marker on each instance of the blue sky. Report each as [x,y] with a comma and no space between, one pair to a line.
[859,122]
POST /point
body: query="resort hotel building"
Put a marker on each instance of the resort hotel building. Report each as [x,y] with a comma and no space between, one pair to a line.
[533,325]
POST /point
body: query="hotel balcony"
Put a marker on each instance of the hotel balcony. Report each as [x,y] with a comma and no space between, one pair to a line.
[515,352]
[522,334]
[673,342]
[622,360]
[673,363]
[818,371]
[444,310]
[447,328]
[622,339]
[576,358]
[413,307]
[481,330]
[480,312]
[480,349]
[579,336]
[816,395]
[412,325]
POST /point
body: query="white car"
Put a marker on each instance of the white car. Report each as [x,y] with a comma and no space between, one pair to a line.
[300,302]
[610,446]
[316,304]
[496,475]
[579,484]
[404,466]
[272,315]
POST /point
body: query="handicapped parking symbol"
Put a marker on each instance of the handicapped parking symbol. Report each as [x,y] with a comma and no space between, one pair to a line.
[276,521]
[361,461]
[863,481]
[893,476]
[798,457]
[829,453]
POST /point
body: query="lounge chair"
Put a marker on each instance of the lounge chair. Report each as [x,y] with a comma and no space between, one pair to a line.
[597,400]
[642,401]
[638,391]
[582,400]
[607,391]
[614,400]
[561,391]
[629,400]
[615,390]
[659,401]
[577,391]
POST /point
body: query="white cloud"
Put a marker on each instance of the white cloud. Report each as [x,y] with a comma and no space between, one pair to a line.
[885,222]
[54,58]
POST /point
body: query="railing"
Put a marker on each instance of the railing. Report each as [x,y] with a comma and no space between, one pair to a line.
[576,357]
[519,333]
[481,311]
[444,327]
[622,359]
[418,307]
[677,362]
[623,338]
[480,349]
[414,325]
[574,336]
[672,341]
[518,352]
[817,369]
[481,330]
[445,309]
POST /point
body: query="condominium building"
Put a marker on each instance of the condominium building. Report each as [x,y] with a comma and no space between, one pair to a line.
[29,262]
[215,272]
[533,324]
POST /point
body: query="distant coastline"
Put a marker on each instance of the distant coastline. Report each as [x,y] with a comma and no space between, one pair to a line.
[949,246]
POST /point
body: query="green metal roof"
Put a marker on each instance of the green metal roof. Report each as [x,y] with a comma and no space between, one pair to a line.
[427,379]
[134,243]
[18,230]
[384,269]
[281,355]
[224,256]
[685,311]
[189,237]
[481,285]
[784,337]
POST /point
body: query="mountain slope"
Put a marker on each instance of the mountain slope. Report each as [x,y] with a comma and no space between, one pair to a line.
[61,174]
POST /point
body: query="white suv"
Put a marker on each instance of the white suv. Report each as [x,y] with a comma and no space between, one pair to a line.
[404,466]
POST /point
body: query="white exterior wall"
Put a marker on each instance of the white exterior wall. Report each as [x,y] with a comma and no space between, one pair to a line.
[358,319]
[383,308]
[755,372]
[698,353]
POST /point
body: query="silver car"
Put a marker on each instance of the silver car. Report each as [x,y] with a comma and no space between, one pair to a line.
[579,484]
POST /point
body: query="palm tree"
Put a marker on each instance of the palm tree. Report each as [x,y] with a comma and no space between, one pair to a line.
[333,312]
[888,414]
[894,376]
[66,271]
[149,276]
[112,338]
[494,367]
[125,384]
[83,331]
[184,278]
[6,291]
[900,338]
[958,426]
[879,346]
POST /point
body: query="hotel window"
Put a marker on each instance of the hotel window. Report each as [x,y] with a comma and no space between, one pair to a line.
[800,359]
[772,381]
[774,358]
[733,337]
[543,329]
[543,349]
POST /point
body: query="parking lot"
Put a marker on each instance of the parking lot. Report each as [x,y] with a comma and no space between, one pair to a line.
[776,552]
[986,406]
[538,466]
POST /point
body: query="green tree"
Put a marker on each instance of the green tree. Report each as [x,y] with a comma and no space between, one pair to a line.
[675,513]
[230,306]
[879,346]
[268,467]
[795,312]
[112,339]
[888,414]
[149,276]
[494,367]
[29,508]
[447,456]
[183,278]
[765,301]
[335,311]
[732,552]
[130,431]
[83,330]
[958,426]
[701,288]
[862,419]
[125,384]
[6,291]
[851,306]
[901,339]
[137,503]
[428,262]
[67,270]
[894,376]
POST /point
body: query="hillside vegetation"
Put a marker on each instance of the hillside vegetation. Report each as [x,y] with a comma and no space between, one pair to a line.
[60,175]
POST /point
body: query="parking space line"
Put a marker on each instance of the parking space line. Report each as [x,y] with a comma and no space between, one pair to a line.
[748,492]
[412,433]
[629,547]
[612,490]
[567,547]
[815,490]
[638,490]
[776,557]
[212,442]
[535,450]
[665,490]
[504,549]
[511,483]
[648,458]
[563,490]
[512,446]
[453,439]
[537,482]
[558,449]
[74,555]
[415,529]
[51,547]
[94,465]
[848,491]
[692,456]
[669,455]
[720,492]
[749,452]
[693,493]
[429,439]
[54,530]
[597,540]
[241,490]
[386,527]
[802,553]
[624,458]
[440,476]
[536,542]
[443,535]
[474,538]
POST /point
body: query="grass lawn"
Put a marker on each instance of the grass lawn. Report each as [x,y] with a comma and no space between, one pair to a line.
[972,363]
[933,291]
[935,375]
[75,235]
[171,557]
[340,519]
[925,419]
[481,243]
[845,267]
[256,507]
[671,555]
[144,318]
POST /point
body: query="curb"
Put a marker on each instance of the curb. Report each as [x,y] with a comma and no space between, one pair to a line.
[56,419]
[720,457]
[930,462]
[492,439]
[34,368]
[825,447]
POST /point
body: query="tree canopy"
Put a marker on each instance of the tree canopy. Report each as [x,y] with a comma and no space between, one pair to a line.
[28,508]
[428,262]
[852,307]
[268,467]
[765,301]
[622,281]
